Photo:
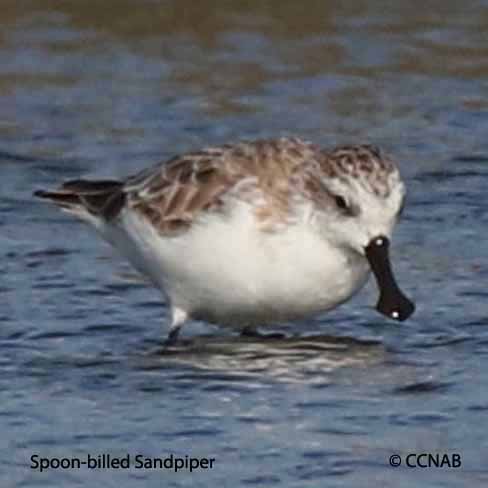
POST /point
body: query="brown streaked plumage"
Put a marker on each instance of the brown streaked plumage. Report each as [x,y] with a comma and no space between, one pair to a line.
[270,172]
[172,194]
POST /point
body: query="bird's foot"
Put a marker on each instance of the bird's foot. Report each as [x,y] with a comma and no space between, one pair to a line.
[251,332]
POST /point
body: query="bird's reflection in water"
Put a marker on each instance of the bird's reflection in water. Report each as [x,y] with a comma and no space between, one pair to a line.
[308,358]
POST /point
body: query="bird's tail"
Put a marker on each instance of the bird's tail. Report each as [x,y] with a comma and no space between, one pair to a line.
[102,198]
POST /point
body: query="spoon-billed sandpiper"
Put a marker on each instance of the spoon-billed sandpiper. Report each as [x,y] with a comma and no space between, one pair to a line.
[252,233]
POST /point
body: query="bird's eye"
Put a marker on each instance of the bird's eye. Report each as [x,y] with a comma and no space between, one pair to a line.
[341,202]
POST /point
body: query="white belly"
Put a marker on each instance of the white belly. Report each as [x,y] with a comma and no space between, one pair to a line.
[225,270]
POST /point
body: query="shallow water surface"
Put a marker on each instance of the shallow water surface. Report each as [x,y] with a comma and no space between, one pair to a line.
[86,91]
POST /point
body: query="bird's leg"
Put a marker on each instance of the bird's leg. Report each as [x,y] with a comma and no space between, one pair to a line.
[178,318]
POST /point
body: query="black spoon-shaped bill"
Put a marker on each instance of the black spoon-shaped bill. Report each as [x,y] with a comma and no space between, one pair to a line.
[392,302]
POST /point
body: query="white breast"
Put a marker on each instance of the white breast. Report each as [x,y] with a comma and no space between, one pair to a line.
[224,269]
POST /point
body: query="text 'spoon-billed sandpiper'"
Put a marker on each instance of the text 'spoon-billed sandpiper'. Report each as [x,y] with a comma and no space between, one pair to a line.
[253,233]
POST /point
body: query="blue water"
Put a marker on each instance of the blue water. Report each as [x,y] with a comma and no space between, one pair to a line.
[103,93]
